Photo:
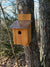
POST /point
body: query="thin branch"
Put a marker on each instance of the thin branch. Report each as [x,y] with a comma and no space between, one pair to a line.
[9,35]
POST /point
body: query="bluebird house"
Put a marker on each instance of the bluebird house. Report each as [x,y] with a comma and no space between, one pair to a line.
[21,32]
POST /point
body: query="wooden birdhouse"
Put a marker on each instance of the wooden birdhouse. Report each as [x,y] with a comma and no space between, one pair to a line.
[21,32]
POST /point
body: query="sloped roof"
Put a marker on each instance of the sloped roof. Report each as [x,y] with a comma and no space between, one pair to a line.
[20,24]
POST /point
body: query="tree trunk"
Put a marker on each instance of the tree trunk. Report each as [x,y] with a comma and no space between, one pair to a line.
[31,51]
[45,31]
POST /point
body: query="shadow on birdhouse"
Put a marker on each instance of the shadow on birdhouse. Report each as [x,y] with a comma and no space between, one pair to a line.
[21,32]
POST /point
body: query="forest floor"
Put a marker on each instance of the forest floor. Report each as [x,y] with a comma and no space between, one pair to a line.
[8,62]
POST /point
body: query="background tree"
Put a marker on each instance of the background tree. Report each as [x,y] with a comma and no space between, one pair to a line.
[45,31]
[31,51]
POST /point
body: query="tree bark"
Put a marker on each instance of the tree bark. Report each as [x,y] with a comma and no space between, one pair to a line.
[32,50]
[45,31]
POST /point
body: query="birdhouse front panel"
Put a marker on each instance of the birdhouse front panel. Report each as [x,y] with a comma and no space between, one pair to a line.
[20,36]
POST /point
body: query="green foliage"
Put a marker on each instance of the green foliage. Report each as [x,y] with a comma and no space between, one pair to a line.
[5,48]
[6,44]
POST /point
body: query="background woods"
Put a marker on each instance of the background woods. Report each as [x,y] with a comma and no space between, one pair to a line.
[45,30]
[37,53]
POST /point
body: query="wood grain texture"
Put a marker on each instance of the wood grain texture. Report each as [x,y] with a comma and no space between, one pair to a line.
[25,37]
[14,36]
[20,39]
[24,16]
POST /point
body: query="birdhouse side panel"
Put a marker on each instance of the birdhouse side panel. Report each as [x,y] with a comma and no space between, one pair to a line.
[29,33]
[25,37]
[14,36]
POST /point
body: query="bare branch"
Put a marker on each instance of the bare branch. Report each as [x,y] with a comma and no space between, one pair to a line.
[9,35]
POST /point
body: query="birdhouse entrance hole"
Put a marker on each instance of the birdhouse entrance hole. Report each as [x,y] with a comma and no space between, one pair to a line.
[19,32]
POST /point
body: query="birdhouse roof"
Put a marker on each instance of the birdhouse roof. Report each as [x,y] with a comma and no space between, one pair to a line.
[20,24]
